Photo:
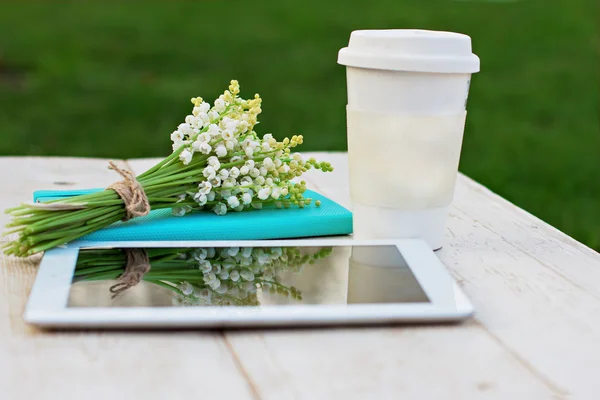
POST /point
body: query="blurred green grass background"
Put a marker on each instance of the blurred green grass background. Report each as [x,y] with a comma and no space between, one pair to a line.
[109,79]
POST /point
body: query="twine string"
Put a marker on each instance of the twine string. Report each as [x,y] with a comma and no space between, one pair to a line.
[138,265]
[131,192]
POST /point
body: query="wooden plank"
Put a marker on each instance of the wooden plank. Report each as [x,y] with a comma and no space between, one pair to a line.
[528,282]
[446,362]
[96,365]
[462,361]
[533,337]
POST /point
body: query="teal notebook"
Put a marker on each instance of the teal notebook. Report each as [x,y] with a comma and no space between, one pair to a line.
[272,223]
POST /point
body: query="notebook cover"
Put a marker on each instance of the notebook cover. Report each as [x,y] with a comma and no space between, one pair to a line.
[269,223]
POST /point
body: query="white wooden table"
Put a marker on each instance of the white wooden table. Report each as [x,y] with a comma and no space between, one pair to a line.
[536,334]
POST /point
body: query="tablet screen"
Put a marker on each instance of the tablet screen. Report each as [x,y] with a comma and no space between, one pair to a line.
[242,276]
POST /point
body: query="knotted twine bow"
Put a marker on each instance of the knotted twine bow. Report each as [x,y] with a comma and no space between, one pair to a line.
[138,265]
[131,192]
[136,205]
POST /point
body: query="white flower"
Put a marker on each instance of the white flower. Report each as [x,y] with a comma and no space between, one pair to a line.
[216,268]
[278,162]
[191,120]
[210,196]
[177,136]
[220,105]
[244,170]
[265,147]
[276,193]
[234,275]
[250,164]
[185,129]
[264,193]
[243,126]
[229,183]
[230,144]
[224,274]
[284,191]
[247,275]
[248,142]
[234,172]
[197,145]
[228,264]
[215,283]
[267,137]
[205,187]
[200,198]
[205,266]
[220,209]
[203,137]
[205,148]
[215,182]
[254,172]
[297,157]
[246,181]
[177,144]
[205,294]
[250,287]
[204,107]
[223,174]
[186,288]
[249,151]
[209,172]
[246,252]
[178,211]
[263,171]
[268,164]
[214,162]
[213,130]
[225,194]
[221,151]
[269,181]
[199,254]
[221,289]
[260,180]
[233,202]
[263,259]
[247,198]
[233,251]
[230,126]
[236,159]
[185,156]
[212,114]
[226,135]
[202,117]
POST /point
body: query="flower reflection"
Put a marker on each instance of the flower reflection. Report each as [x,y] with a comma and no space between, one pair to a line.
[208,276]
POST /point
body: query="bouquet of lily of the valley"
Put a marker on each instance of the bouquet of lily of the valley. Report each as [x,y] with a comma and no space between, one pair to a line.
[200,276]
[219,163]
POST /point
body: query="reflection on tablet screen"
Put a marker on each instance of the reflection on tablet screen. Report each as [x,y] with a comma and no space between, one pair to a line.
[260,276]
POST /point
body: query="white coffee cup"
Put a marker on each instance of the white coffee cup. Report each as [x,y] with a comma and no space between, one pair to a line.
[407,95]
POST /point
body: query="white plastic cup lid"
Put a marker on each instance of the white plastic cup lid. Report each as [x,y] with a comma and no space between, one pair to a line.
[410,50]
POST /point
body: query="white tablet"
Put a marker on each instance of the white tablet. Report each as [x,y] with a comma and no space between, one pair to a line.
[260,283]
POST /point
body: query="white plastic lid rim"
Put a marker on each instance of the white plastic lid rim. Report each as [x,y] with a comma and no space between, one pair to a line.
[410,50]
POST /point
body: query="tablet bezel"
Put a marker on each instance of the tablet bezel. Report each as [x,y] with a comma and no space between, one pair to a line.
[47,304]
